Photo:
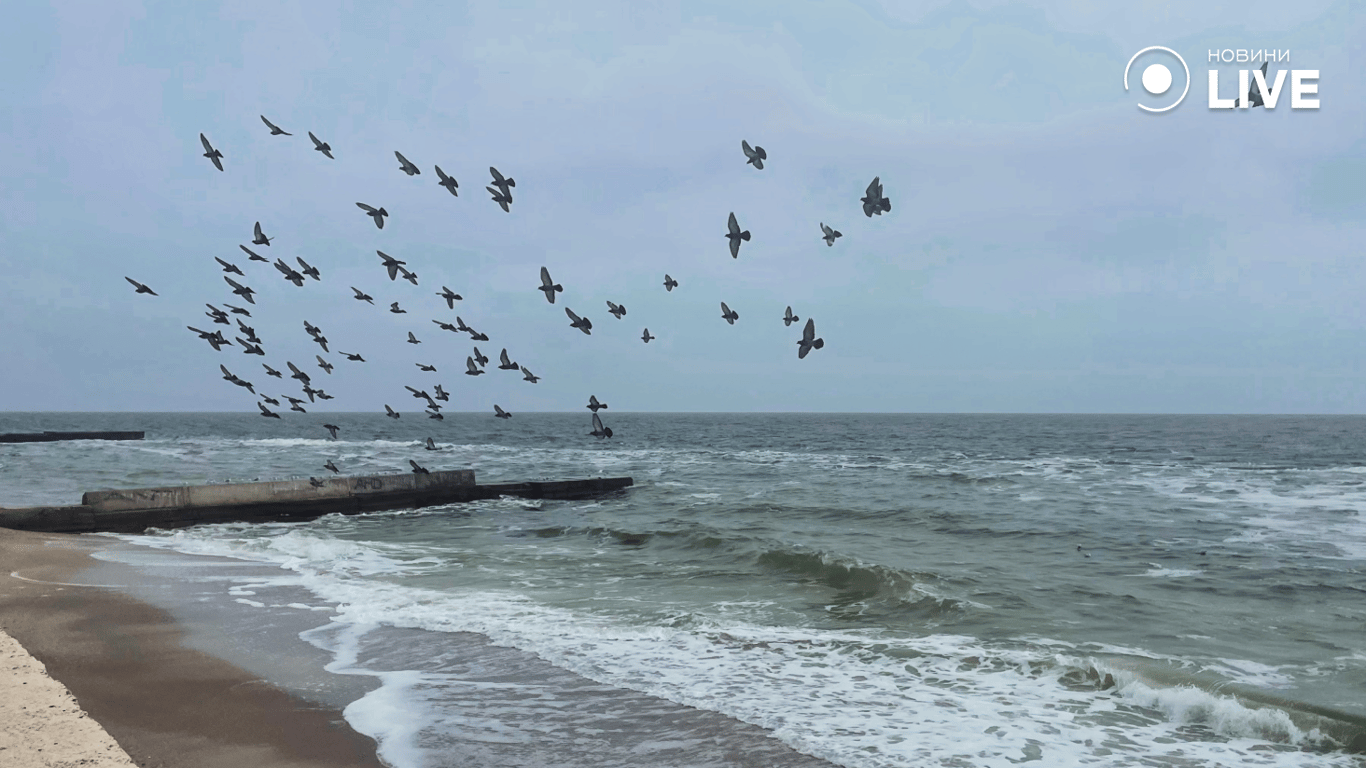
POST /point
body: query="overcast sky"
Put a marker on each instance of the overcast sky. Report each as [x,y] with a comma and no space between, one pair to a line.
[1050,248]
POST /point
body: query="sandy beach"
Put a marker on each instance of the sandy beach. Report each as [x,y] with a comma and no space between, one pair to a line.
[103,680]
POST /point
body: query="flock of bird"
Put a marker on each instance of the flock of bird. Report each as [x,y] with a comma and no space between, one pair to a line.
[500,190]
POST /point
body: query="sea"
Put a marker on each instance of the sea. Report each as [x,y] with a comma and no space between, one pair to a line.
[861,590]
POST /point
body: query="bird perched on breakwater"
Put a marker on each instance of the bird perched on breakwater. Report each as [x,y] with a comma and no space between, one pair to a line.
[331,430]
[829,234]
[500,413]
[404,165]
[873,201]
[450,296]
[755,155]
[808,341]
[548,286]
[212,153]
[582,323]
[616,310]
[377,214]
[789,318]
[594,405]
[669,283]
[645,337]
[260,237]
[275,130]
[734,234]
[729,314]
[362,296]
[140,287]
[599,431]
[321,146]
[448,182]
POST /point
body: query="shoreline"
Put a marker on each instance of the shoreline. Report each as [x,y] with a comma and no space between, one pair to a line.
[124,663]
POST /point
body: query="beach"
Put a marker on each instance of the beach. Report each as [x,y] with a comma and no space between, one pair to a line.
[102,680]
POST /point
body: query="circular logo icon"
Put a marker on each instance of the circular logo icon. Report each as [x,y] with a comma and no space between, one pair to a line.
[1157,78]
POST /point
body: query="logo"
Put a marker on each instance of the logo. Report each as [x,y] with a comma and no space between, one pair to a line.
[1157,78]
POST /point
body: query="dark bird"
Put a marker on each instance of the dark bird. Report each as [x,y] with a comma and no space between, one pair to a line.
[237,310]
[431,445]
[289,273]
[390,412]
[645,337]
[735,236]
[446,326]
[253,255]
[502,183]
[529,376]
[311,271]
[297,407]
[476,336]
[448,182]
[808,341]
[331,467]
[504,363]
[293,401]
[418,393]
[391,264]
[355,358]
[441,393]
[241,290]
[323,364]
[755,155]
[789,318]
[312,330]
[549,286]
[218,315]
[435,415]
[297,374]
[460,325]
[405,166]
[228,267]
[321,146]
[470,368]
[322,342]
[729,314]
[500,413]
[594,405]
[267,412]
[248,331]
[322,395]
[250,349]
[829,234]
[1254,94]
[409,276]
[140,287]
[582,323]
[418,469]
[377,214]
[599,431]
[232,377]
[332,430]
[274,129]
[616,309]
[873,201]
[450,296]
[480,357]
[361,296]
[503,199]
[215,339]
[394,308]
[427,368]
[412,339]
[272,372]
[315,482]
[260,238]
[270,400]
[211,153]
[670,283]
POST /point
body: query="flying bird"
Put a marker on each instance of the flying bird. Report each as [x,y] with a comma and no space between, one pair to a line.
[270,400]
[729,314]
[418,469]
[297,374]
[409,276]
[616,309]
[450,296]
[669,283]
[395,309]
[272,372]
[504,363]
[355,358]
[548,286]
[241,290]
[756,155]
[480,357]
[230,376]
[645,337]
[431,445]
[735,236]
[361,296]
[405,166]
[599,431]
[218,315]
[275,130]
[529,376]
[427,368]
[412,339]
[501,198]
[297,407]
[211,153]
[267,412]
[322,341]
[228,267]
[377,214]
[323,364]
[293,401]
[448,182]
[446,326]
[471,369]
[260,237]
[289,273]
[249,331]
[311,271]
[332,430]
[215,339]
[582,323]
[391,264]
[321,146]
[140,287]
[594,405]
[808,341]
[435,415]
[252,255]
[390,412]
[789,318]
[249,348]
[502,183]
[873,201]
[500,413]
[236,310]
[322,395]
[330,466]
[475,336]
[829,234]
[312,330]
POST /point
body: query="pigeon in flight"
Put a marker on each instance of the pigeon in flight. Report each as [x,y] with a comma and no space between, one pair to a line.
[289,273]
[808,341]
[431,445]
[504,363]
[211,153]
[309,270]
[450,296]
[331,467]
[391,264]
[789,318]
[476,336]
[409,276]
[241,290]
[471,369]
[312,330]
[500,413]
[323,364]
[582,323]
[355,358]
[756,155]
[829,234]
[448,182]
[275,130]
[599,431]
[228,267]
[332,430]
[502,183]
[645,337]
[873,201]
[321,146]
[418,469]
[501,199]
[396,310]
[272,372]
[529,376]
[322,395]
[548,286]
[260,238]
[412,339]
[435,415]
[294,402]
[405,166]
[297,404]
[670,283]
[140,287]
[236,310]
[218,315]
[249,348]
[616,309]
[735,236]
[377,214]
[361,296]
[390,412]
[446,326]
[427,368]
[270,400]
[230,376]
[729,314]
[322,341]
[594,405]
[215,339]
[417,393]
[480,357]
[298,374]
[252,255]
[248,331]
[267,412]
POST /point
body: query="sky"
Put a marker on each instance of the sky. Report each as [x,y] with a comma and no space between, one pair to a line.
[1051,246]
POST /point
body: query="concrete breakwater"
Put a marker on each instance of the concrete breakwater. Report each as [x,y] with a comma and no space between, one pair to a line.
[51,437]
[136,509]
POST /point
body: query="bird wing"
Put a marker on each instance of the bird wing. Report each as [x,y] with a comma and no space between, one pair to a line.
[809,332]
[440,174]
[873,190]
[365,208]
[259,234]
[572,317]
[204,140]
[411,337]
[545,278]
[761,153]
[749,152]
[469,364]
[268,123]
[735,247]
[503,357]
[497,177]
[733,226]
[316,143]
[725,310]
[597,423]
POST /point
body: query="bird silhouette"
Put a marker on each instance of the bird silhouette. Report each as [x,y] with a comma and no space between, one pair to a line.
[616,310]
[395,309]
[331,430]
[321,146]
[504,363]
[140,287]
[211,153]
[275,130]
[412,339]
[549,286]
[272,372]
[829,234]
[450,296]
[331,467]
[260,237]
[418,469]
[390,412]
[873,201]
[808,341]
[582,323]
[391,264]
[447,181]
[735,236]
[645,337]
[309,270]
[599,431]
[377,214]
[729,314]
[529,376]
[241,290]
[228,267]
[471,369]
[670,283]
[405,166]
[789,318]
[252,255]
[362,296]
[500,413]
[755,155]
[594,405]
[267,412]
